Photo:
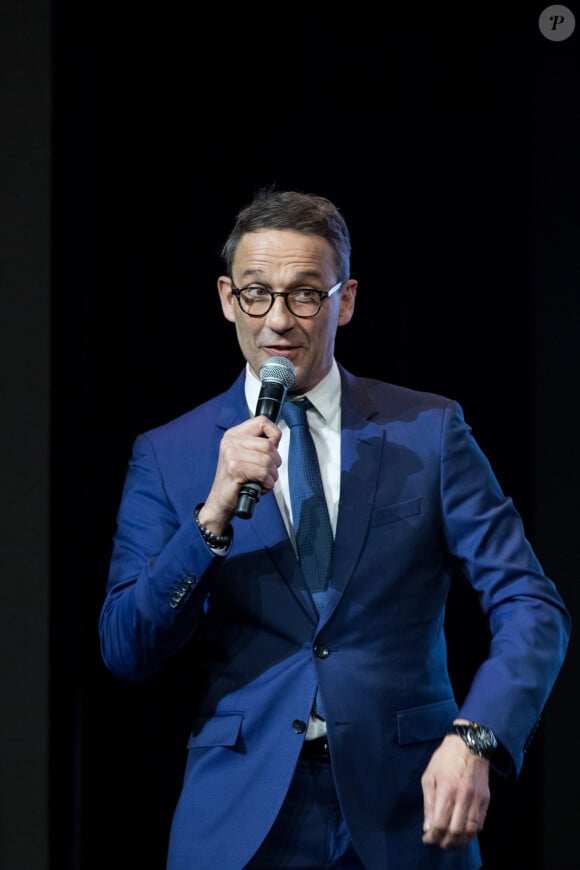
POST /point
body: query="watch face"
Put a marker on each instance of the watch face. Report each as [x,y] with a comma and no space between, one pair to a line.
[479,740]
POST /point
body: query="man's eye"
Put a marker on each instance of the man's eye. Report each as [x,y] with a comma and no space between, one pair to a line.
[305,294]
[256,292]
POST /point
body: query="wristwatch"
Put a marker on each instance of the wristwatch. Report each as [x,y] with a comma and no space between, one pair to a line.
[478,739]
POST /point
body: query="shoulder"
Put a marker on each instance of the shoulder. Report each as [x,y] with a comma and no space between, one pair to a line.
[393,400]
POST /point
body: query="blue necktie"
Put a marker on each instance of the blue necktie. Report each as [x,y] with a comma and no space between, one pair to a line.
[309,510]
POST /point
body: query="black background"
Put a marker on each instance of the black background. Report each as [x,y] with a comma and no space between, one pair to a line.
[449,139]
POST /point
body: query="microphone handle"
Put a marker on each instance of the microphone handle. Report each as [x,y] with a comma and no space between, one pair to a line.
[247,500]
[270,405]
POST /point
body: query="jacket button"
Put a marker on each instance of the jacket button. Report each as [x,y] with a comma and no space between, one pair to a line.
[298,726]
[321,651]
[182,589]
[176,598]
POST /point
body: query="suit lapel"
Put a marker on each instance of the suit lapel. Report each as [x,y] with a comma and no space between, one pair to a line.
[362,447]
[268,525]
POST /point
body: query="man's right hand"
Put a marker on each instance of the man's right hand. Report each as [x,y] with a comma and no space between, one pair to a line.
[248,453]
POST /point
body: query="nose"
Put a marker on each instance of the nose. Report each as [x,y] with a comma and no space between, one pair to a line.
[279,316]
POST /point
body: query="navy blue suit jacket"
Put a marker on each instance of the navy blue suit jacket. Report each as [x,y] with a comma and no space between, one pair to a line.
[418,500]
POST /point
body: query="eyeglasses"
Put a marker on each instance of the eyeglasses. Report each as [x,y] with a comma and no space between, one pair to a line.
[256,301]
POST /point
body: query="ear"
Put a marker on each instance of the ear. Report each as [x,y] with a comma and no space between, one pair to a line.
[227,298]
[347,300]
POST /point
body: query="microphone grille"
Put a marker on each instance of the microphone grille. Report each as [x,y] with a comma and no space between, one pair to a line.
[278,369]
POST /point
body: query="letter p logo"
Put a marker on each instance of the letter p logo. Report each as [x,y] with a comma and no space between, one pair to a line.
[557,23]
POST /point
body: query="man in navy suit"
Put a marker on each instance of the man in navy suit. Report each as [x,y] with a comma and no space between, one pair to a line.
[327,733]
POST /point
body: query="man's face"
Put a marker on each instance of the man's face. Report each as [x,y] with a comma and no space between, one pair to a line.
[281,261]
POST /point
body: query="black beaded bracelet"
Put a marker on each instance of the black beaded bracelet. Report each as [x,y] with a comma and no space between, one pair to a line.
[216,542]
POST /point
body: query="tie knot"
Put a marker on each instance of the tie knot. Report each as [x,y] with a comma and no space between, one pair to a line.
[295,412]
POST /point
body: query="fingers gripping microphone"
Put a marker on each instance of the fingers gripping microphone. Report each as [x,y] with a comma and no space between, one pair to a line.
[277,375]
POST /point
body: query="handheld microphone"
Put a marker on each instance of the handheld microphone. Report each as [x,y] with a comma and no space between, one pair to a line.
[277,375]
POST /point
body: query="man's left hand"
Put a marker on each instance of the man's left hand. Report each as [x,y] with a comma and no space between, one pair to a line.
[455,794]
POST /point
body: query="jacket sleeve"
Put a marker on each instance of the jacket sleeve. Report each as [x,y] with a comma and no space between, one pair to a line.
[159,574]
[528,621]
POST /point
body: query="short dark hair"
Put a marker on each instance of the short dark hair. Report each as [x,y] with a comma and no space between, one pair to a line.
[272,209]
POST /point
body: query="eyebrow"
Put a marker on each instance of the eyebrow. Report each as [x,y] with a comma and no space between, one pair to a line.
[300,276]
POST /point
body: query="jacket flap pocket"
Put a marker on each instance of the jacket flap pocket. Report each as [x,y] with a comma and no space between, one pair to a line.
[222,730]
[428,722]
